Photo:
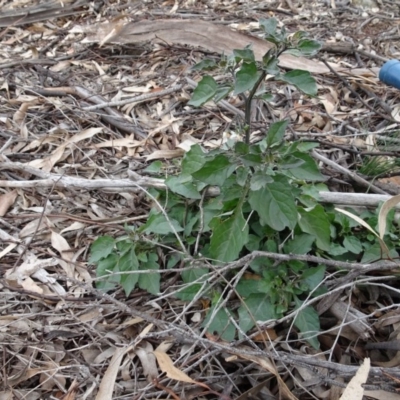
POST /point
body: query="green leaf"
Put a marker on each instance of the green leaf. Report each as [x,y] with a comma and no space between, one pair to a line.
[290,162]
[264,96]
[104,268]
[301,244]
[308,170]
[270,63]
[241,148]
[157,223]
[101,248]
[314,190]
[154,168]
[215,171]
[269,25]
[308,47]
[276,132]
[221,324]
[374,252]
[204,64]
[194,274]
[129,263]
[275,205]
[123,246]
[150,281]
[305,147]
[307,321]
[353,244]
[252,160]
[183,185]
[246,77]
[302,80]
[204,91]
[260,307]
[194,159]
[173,259]
[189,292]
[259,180]
[316,222]
[222,92]
[241,175]
[313,276]
[245,54]
[229,237]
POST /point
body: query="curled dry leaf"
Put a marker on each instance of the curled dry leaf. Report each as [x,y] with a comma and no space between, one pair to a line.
[354,389]
[384,248]
[386,207]
[6,201]
[167,366]
[107,383]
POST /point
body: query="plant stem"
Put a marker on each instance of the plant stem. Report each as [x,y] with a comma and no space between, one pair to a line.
[247,110]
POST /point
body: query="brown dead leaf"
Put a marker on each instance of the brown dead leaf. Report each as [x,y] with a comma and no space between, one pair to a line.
[148,360]
[386,207]
[167,366]
[354,389]
[165,154]
[6,201]
[268,366]
[106,387]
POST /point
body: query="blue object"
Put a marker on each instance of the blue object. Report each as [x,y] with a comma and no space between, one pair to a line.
[390,73]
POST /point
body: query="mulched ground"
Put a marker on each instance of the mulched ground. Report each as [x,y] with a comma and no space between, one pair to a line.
[71,127]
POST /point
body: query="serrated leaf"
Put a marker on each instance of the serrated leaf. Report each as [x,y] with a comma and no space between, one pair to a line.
[269,25]
[189,292]
[101,248]
[183,185]
[313,276]
[220,324]
[158,224]
[259,180]
[104,268]
[353,244]
[221,93]
[245,54]
[241,176]
[316,223]
[302,80]
[275,205]
[308,47]
[129,263]
[270,63]
[257,307]
[276,132]
[154,168]
[308,170]
[307,321]
[194,159]
[229,237]
[246,77]
[151,281]
[215,171]
[301,244]
[204,91]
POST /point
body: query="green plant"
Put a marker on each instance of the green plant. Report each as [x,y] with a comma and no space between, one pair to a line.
[249,75]
[262,200]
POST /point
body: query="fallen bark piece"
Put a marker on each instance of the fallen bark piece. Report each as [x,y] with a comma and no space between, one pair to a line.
[207,35]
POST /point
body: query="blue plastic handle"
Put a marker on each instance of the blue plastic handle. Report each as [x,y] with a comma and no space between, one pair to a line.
[390,73]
